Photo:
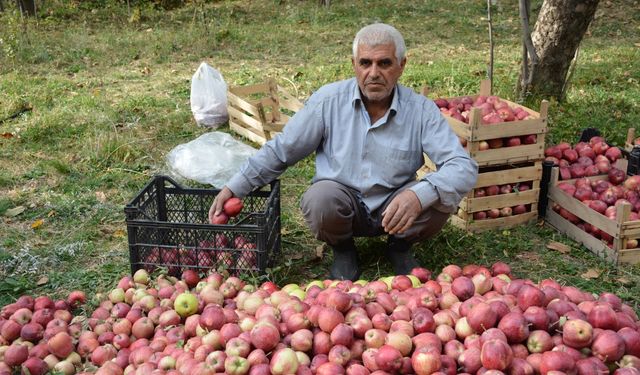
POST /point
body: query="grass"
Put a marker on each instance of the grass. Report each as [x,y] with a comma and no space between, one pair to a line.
[100,96]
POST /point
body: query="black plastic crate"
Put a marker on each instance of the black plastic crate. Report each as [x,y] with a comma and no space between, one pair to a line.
[168,226]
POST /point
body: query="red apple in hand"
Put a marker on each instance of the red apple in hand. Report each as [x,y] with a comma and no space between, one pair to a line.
[221,218]
[232,206]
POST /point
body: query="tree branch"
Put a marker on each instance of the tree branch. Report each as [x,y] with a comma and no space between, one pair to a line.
[490,72]
[526,33]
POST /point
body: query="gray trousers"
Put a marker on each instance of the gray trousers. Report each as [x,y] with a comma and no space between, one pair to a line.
[334,214]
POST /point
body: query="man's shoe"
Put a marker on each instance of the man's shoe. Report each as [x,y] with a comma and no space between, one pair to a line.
[399,254]
[345,262]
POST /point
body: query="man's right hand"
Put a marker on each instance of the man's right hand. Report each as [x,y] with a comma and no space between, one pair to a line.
[218,202]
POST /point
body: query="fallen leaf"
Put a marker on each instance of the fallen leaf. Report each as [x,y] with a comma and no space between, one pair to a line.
[319,251]
[119,233]
[591,273]
[37,224]
[43,280]
[624,281]
[51,213]
[40,242]
[560,247]
[7,135]
[101,196]
[297,256]
[12,212]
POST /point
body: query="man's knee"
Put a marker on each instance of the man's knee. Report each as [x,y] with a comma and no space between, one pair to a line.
[326,200]
[328,210]
[427,225]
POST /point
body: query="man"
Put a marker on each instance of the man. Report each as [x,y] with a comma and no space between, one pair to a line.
[369,134]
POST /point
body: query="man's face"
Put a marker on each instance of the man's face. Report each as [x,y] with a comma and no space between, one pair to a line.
[377,71]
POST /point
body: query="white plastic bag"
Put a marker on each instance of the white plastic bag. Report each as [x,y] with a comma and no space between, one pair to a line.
[213,158]
[209,97]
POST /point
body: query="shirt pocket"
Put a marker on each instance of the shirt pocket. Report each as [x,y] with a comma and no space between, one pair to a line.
[396,167]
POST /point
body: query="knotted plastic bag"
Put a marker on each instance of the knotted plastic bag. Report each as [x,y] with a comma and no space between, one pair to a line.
[209,97]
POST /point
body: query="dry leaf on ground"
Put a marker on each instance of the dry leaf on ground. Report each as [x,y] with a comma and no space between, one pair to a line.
[591,273]
[13,212]
[560,247]
[101,196]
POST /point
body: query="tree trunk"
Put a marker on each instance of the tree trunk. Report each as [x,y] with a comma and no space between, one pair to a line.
[556,36]
[27,7]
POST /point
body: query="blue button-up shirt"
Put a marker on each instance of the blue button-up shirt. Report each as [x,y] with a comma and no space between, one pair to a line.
[374,159]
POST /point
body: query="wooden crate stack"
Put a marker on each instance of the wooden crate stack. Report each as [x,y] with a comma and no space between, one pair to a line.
[259,111]
[631,138]
[500,166]
[622,230]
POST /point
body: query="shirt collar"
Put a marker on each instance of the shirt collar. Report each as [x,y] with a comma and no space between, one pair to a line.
[357,98]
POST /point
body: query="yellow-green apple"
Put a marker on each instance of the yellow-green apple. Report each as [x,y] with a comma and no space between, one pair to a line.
[186,304]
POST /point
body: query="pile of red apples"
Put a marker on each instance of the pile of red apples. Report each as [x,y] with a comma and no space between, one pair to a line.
[584,159]
[493,110]
[472,319]
[506,211]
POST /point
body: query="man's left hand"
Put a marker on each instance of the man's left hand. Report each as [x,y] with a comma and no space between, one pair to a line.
[401,212]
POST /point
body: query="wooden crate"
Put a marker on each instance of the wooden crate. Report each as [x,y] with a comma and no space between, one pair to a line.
[260,111]
[475,132]
[622,229]
[500,175]
[631,136]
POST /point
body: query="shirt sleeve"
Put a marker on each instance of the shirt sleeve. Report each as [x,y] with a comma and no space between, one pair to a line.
[300,137]
[456,173]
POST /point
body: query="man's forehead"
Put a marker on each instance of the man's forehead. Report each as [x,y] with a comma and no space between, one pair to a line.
[379,52]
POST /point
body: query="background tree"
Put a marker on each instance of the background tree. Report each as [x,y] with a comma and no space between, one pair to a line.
[27,7]
[557,34]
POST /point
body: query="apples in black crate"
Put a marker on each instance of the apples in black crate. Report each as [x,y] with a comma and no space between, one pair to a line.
[168,227]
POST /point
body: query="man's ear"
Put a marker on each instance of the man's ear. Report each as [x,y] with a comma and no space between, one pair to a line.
[353,62]
[403,63]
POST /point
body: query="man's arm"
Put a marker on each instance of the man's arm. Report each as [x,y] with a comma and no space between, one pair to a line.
[299,138]
[457,172]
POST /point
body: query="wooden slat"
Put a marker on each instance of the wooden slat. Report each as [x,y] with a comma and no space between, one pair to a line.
[293,105]
[289,101]
[508,129]
[247,133]
[273,126]
[595,245]
[629,256]
[631,136]
[236,101]
[498,223]
[250,89]
[273,95]
[585,213]
[499,201]
[267,102]
[485,87]
[510,176]
[243,118]
[508,155]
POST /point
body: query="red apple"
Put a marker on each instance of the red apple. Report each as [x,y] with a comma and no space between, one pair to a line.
[232,206]
[388,358]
